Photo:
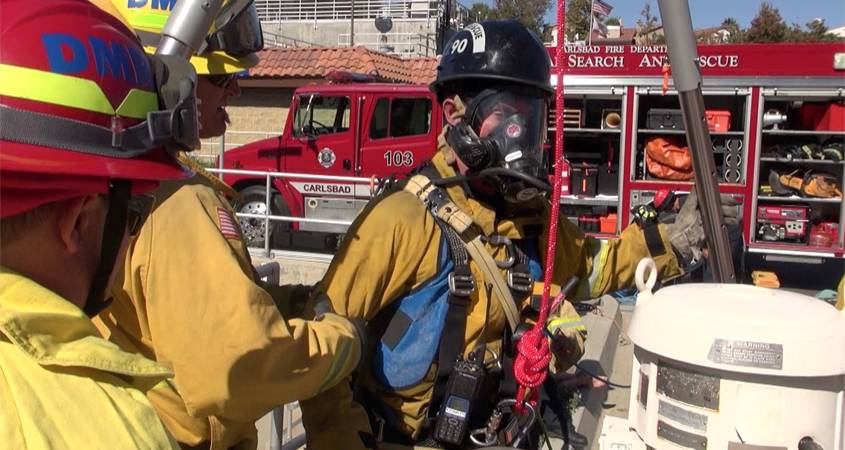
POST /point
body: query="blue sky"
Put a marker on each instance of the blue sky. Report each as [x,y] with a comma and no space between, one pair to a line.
[707,13]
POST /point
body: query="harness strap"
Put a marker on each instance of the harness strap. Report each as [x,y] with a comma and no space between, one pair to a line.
[461,285]
[445,209]
[216,182]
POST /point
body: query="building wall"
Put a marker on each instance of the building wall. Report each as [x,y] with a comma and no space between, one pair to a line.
[408,36]
[256,114]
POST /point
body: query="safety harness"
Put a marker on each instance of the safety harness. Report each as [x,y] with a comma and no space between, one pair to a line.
[463,242]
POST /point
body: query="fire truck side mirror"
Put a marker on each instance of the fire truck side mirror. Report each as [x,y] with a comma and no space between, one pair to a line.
[839,61]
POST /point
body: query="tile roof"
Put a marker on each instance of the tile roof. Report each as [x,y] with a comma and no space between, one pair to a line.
[626,36]
[316,62]
[423,68]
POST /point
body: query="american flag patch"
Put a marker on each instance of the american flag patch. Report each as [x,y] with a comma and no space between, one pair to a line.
[228,227]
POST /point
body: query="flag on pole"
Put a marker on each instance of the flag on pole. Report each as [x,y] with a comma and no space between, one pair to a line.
[600,7]
[600,27]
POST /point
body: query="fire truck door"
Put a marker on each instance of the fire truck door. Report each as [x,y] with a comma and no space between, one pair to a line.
[399,134]
[321,136]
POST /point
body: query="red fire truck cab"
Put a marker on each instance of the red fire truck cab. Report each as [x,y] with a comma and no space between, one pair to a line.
[773,109]
[353,128]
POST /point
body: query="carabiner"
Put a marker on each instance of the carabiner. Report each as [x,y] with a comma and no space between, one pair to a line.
[487,362]
[489,432]
[496,239]
[513,431]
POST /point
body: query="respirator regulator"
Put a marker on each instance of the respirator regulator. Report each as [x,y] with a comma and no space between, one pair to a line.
[509,155]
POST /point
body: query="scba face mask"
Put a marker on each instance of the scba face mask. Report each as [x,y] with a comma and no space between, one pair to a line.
[509,153]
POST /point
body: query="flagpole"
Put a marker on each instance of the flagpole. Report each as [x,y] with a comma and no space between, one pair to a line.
[592,18]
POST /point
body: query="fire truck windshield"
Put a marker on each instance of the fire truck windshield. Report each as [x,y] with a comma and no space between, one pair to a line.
[317,115]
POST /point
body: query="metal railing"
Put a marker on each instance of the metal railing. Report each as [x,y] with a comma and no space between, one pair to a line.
[281,419]
[399,43]
[268,217]
[278,10]
[278,40]
[293,10]
[211,147]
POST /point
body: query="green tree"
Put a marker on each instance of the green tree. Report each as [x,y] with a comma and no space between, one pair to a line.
[612,21]
[737,33]
[578,14]
[767,26]
[816,32]
[529,12]
[647,25]
[481,11]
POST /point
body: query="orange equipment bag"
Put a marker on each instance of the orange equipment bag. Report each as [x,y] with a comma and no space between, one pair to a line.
[666,159]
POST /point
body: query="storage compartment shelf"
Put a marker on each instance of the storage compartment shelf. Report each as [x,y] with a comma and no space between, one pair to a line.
[807,132]
[602,235]
[589,130]
[794,249]
[601,200]
[795,199]
[799,161]
[667,131]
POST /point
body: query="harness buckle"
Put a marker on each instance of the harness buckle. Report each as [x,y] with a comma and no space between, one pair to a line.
[520,279]
[461,281]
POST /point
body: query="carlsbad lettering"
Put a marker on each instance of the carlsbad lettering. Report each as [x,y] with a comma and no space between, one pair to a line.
[328,188]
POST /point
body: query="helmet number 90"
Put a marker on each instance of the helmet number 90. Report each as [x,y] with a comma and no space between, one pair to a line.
[459,46]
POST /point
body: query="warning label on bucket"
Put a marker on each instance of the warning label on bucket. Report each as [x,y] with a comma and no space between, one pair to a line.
[747,353]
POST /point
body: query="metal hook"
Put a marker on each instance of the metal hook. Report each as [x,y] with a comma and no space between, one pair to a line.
[521,431]
[496,239]
[487,362]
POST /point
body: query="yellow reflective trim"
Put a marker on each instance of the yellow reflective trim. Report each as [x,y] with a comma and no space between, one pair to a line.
[137,104]
[161,384]
[53,88]
[73,92]
[566,322]
[338,368]
[148,19]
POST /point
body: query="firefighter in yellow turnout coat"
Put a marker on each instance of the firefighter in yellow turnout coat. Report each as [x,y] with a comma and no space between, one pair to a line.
[187,296]
[71,194]
[493,84]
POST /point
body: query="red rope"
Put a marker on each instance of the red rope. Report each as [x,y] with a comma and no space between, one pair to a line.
[532,360]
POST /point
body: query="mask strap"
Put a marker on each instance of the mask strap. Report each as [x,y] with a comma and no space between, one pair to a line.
[114,231]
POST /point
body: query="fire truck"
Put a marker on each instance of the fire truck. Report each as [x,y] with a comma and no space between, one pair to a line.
[775,112]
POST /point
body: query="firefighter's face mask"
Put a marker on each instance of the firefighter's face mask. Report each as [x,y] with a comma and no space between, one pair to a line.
[501,139]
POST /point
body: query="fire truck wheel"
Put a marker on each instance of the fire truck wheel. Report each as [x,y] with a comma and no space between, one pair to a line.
[254,203]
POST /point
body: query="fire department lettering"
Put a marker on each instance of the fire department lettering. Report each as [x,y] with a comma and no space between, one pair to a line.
[596,61]
[69,55]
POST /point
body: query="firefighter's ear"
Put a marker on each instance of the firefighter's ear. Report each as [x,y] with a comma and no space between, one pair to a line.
[450,111]
[453,109]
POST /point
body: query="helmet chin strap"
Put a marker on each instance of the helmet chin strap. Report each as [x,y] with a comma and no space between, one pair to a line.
[114,230]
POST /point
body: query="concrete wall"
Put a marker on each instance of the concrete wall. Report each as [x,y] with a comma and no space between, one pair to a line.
[327,32]
[256,114]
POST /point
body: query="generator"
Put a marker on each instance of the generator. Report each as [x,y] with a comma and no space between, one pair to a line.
[733,367]
[783,223]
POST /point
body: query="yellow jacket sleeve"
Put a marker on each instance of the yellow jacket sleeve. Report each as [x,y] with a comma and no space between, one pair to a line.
[840,299]
[612,263]
[189,283]
[385,258]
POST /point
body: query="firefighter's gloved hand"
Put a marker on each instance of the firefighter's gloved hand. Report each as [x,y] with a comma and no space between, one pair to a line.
[687,233]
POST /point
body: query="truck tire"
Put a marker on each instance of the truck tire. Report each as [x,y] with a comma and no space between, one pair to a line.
[254,203]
